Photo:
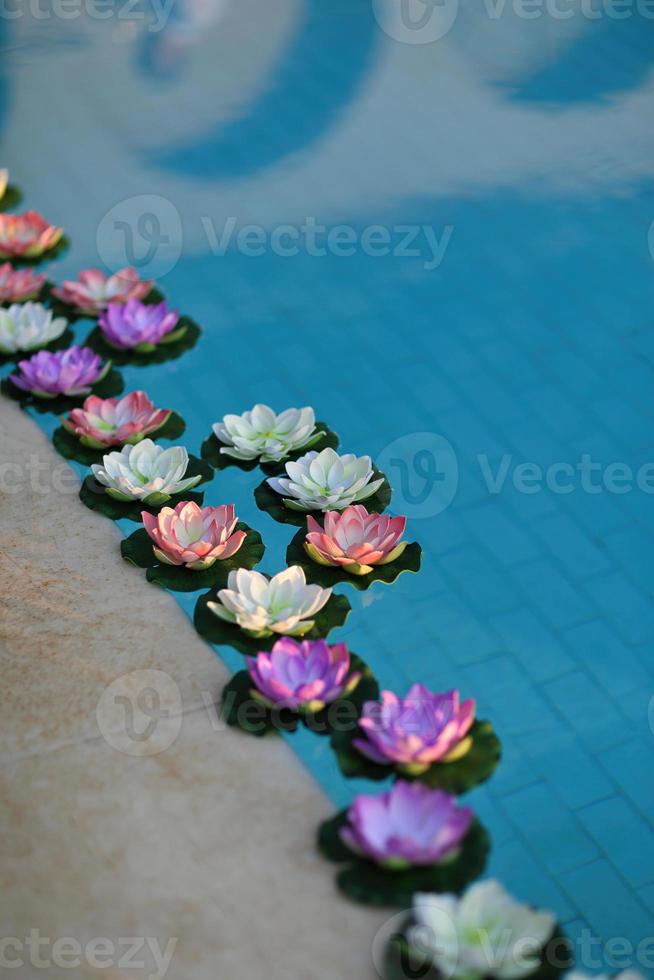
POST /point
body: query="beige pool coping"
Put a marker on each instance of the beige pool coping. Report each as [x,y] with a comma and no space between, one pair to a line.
[205,836]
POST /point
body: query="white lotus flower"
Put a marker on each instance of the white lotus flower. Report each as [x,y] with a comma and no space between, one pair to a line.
[262,435]
[4,180]
[484,933]
[26,326]
[145,472]
[282,604]
[326,481]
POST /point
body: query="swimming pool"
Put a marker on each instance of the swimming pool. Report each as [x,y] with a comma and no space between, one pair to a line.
[504,309]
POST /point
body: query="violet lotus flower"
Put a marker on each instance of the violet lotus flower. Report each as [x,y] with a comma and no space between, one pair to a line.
[416,731]
[17,285]
[26,236]
[104,422]
[65,372]
[410,824]
[139,326]
[194,536]
[303,676]
[355,540]
[94,290]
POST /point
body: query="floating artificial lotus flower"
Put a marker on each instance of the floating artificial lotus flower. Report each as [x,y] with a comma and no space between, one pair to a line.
[26,236]
[17,285]
[4,180]
[94,290]
[104,422]
[145,472]
[192,535]
[139,326]
[416,731]
[262,606]
[355,540]
[263,435]
[485,933]
[27,326]
[65,372]
[326,481]
[302,676]
[410,824]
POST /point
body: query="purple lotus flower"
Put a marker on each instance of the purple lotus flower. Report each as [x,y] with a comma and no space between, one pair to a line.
[416,731]
[139,326]
[303,676]
[410,824]
[65,372]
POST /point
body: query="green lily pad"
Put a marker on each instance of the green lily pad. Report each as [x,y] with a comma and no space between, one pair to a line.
[137,549]
[405,962]
[11,197]
[211,452]
[95,497]
[60,343]
[49,255]
[241,709]
[69,446]
[164,351]
[474,768]
[367,882]
[221,633]
[112,384]
[329,576]
[273,503]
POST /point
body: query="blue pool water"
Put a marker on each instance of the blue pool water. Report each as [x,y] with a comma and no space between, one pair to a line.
[525,147]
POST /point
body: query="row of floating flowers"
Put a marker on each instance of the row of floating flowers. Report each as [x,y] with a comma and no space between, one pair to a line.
[413,845]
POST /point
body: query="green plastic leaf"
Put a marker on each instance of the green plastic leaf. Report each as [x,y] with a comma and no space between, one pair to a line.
[273,503]
[112,384]
[474,768]
[243,710]
[137,549]
[11,198]
[405,962]
[69,446]
[367,882]
[329,577]
[162,352]
[221,633]
[94,496]
[211,452]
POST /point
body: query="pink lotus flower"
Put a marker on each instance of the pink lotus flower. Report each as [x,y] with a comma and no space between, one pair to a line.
[416,731]
[64,372]
[26,236]
[303,675]
[17,285]
[355,540]
[139,326]
[410,824]
[94,290]
[194,536]
[103,422]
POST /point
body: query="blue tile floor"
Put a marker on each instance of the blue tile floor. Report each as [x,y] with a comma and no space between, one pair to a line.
[507,387]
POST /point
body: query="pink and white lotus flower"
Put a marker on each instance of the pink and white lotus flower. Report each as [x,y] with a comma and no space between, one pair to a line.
[17,285]
[26,236]
[92,292]
[104,422]
[194,536]
[355,540]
